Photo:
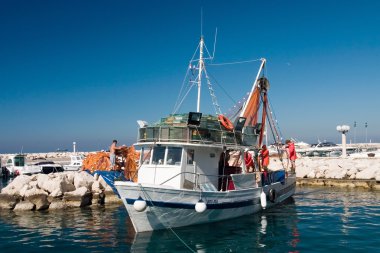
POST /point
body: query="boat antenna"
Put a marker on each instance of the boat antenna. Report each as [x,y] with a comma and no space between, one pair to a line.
[201,21]
[201,64]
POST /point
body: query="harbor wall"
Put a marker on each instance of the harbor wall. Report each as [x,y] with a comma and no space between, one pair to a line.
[56,191]
[335,171]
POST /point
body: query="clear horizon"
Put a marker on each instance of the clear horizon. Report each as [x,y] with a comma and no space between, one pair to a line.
[86,71]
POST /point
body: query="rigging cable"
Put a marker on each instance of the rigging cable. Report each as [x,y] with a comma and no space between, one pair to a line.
[178,104]
[232,63]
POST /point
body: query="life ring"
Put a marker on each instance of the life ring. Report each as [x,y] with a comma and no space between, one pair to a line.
[272,195]
[226,123]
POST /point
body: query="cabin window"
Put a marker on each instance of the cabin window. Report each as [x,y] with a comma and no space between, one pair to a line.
[174,156]
[145,156]
[19,161]
[9,161]
[158,155]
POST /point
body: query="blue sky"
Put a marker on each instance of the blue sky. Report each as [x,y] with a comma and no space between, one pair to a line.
[85,71]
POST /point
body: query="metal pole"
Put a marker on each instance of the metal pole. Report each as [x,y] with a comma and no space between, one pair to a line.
[366,132]
[344,153]
[263,61]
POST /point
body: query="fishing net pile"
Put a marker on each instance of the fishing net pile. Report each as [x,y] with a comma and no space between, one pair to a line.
[126,159]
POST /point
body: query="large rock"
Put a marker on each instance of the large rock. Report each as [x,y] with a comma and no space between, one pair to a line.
[16,185]
[24,206]
[42,180]
[56,184]
[57,204]
[97,187]
[83,179]
[110,196]
[25,189]
[8,201]
[70,176]
[38,197]
[368,173]
[78,198]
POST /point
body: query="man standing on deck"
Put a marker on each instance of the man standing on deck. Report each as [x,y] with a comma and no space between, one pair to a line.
[292,156]
[113,148]
[264,157]
[248,161]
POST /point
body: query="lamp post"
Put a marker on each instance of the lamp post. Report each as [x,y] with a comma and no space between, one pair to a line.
[343,129]
[74,146]
[366,132]
[355,132]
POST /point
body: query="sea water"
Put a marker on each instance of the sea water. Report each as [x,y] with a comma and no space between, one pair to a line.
[314,220]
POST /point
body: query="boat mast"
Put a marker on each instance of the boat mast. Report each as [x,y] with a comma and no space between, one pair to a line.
[201,64]
[263,61]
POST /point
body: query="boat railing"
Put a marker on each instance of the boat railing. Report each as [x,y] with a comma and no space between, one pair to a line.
[206,182]
[193,134]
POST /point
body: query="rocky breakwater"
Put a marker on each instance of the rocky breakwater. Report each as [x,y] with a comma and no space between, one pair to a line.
[56,191]
[343,172]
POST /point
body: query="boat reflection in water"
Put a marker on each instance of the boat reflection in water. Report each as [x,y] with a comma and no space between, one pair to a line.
[109,229]
[264,232]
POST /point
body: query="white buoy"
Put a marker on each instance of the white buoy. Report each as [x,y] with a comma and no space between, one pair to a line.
[263,199]
[200,206]
[139,205]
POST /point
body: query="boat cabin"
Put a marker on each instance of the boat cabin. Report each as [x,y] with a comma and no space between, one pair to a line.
[182,153]
[15,163]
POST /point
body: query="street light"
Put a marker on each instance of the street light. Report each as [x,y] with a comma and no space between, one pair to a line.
[366,132]
[343,129]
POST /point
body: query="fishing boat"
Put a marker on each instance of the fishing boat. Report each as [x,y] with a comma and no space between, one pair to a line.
[76,162]
[192,168]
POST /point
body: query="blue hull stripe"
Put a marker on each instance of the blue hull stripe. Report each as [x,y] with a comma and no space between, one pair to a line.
[191,206]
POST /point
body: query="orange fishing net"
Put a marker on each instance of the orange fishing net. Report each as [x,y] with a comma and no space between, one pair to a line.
[126,158]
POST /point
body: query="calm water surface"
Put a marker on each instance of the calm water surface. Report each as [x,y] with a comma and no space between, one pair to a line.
[314,220]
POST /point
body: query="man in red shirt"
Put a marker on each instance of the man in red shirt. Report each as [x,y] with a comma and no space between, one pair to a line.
[248,161]
[264,158]
[292,156]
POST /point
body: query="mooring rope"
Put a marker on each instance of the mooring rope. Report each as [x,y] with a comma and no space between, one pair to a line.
[167,226]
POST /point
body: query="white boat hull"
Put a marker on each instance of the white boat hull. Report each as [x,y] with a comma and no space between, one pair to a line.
[168,208]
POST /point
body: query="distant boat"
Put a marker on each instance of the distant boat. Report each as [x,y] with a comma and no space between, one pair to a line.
[192,168]
[16,165]
[366,152]
[62,150]
[76,162]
